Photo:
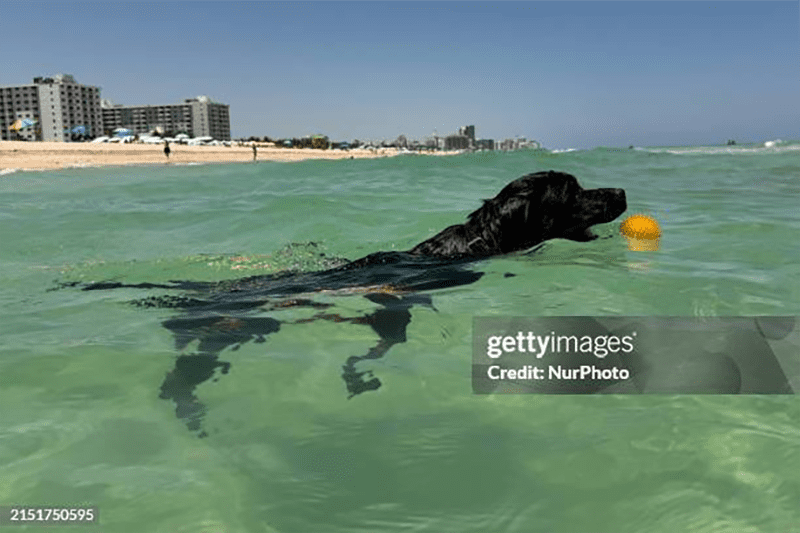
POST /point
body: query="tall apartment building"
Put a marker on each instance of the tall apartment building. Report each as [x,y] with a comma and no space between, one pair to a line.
[467,131]
[197,117]
[456,142]
[57,104]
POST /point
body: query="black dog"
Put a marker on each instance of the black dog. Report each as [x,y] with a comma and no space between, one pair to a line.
[527,212]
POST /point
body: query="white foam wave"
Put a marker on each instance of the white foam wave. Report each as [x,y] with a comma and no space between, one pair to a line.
[769,147]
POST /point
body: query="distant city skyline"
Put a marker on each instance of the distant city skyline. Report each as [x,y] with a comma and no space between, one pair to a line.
[567,74]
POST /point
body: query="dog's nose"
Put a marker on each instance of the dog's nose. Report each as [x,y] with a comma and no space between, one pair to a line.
[620,194]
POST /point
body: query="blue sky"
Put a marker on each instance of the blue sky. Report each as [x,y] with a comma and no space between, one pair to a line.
[569,73]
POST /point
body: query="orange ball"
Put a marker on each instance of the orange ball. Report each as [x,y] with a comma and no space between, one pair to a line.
[640,227]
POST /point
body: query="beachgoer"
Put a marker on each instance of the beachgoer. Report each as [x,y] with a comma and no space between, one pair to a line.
[254,152]
[166,149]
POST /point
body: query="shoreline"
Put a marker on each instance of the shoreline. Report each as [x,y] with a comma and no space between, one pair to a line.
[40,156]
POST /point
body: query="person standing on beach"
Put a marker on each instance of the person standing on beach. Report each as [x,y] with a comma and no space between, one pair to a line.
[255,152]
[166,149]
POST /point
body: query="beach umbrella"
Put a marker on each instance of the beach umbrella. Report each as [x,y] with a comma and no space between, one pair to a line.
[81,130]
[181,136]
[122,132]
[22,124]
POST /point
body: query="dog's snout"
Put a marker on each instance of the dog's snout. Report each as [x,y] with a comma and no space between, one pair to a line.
[615,204]
[620,193]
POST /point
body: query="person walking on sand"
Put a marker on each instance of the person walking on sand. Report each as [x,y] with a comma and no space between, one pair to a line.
[166,149]
[255,152]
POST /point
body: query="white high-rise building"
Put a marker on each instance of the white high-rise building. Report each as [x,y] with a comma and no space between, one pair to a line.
[58,105]
[197,117]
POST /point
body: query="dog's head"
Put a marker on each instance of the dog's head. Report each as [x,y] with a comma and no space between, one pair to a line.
[542,206]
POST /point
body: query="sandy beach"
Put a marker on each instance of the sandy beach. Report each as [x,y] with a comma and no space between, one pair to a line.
[55,155]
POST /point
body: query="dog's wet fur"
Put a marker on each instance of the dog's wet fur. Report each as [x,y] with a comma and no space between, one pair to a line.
[527,212]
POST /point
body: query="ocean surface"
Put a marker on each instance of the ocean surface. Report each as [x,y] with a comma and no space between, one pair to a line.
[283,447]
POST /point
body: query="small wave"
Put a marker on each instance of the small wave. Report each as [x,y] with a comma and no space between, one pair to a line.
[35,169]
[769,147]
[293,257]
[564,151]
[82,164]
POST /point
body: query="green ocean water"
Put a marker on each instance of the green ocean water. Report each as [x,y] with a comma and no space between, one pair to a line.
[287,451]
